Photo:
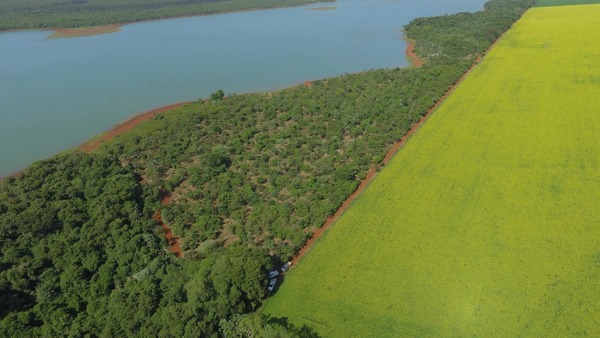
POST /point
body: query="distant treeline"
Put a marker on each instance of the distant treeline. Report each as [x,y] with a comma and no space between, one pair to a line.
[35,14]
[250,177]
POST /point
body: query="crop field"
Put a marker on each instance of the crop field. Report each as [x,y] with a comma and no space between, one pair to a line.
[486,223]
[542,3]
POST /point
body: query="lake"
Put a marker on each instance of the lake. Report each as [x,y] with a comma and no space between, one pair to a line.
[57,93]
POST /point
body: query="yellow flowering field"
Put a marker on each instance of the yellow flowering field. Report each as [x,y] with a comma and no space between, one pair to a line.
[487,222]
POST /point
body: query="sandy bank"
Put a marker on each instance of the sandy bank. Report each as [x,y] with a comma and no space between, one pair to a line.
[412,56]
[60,33]
[94,143]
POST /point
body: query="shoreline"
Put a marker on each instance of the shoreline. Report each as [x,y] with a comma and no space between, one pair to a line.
[13,175]
[412,57]
[119,25]
[96,141]
[65,33]
[93,143]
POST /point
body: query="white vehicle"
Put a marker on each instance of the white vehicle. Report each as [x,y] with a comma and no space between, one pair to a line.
[286,266]
[273,273]
[272,284]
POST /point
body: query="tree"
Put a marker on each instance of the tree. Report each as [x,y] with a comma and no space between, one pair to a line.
[218,95]
[258,325]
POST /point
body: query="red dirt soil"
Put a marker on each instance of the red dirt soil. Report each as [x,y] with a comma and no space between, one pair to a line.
[90,146]
[412,56]
[418,124]
[331,219]
[174,242]
[13,175]
[84,31]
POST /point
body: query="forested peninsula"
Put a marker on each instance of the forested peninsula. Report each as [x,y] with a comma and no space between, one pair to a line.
[47,14]
[244,180]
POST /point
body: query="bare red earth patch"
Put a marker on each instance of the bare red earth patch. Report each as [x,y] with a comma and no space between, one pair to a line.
[173,242]
[412,56]
[84,31]
[90,146]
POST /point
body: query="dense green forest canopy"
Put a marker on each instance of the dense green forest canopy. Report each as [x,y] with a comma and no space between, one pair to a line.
[250,178]
[22,14]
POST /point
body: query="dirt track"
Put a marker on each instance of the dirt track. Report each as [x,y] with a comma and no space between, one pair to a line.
[372,172]
[331,219]
[173,242]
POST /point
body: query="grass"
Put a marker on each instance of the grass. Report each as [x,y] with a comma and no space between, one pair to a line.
[486,223]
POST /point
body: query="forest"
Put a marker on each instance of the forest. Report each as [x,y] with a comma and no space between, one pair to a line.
[248,178]
[44,14]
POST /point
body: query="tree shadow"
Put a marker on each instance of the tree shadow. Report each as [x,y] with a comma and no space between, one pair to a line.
[303,331]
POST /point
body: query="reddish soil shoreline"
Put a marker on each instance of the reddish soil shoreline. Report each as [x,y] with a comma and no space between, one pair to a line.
[93,144]
[84,31]
[13,175]
[412,56]
[90,146]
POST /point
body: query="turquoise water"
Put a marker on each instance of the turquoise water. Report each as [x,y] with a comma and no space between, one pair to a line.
[57,93]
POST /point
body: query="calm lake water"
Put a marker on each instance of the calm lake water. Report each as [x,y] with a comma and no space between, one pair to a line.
[57,93]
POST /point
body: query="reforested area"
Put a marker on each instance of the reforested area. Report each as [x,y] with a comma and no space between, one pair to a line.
[18,14]
[268,169]
[249,178]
